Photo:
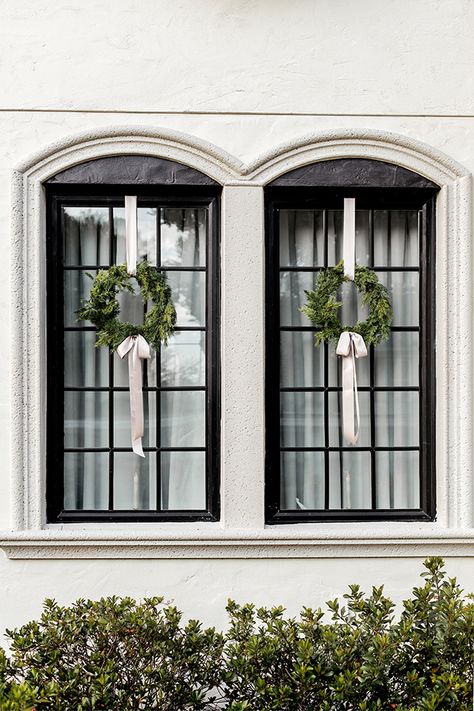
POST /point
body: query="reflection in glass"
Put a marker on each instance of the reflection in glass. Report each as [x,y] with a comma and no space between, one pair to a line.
[396,238]
[183,480]
[396,360]
[183,237]
[293,297]
[77,288]
[398,481]
[302,480]
[85,419]
[183,359]
[404,296]
[349,480]
[183,419]
[86,235]
[86,480]
[302,419]
[301,238]
[301,364]
[146,234]
[189,297]
[84,364]
[134,481]
[396,419]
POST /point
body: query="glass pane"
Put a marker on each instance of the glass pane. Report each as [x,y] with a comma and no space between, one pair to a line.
[302,419]
[134,481]
[132,308]
[122,425]
[398,480]
[301,238]
[336,437]
[146,234]
[396,419]
[86,235]
[335,368]
[183,360]
[302,480]
[397,360]
[183,237]
[85,365]
[293,297]
[86,419]
[349,480]
[404,295]
[86,480]
[396,238]
[149,368]
[183,480]
[302,362]
[77,288]
[335,236]
[183,419]
[189,296]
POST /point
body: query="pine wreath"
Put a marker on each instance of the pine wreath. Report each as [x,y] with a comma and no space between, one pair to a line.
[322,307]
[103,309]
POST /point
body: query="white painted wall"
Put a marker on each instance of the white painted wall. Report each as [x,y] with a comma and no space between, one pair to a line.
[246,75]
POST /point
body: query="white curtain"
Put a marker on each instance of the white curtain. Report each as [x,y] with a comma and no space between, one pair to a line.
[173,418]
[302,245]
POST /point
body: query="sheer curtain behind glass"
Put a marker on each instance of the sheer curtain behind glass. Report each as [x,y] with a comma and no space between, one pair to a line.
[173,474]
[314,452]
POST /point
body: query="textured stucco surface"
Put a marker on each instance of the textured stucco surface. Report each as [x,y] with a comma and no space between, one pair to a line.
[200,68]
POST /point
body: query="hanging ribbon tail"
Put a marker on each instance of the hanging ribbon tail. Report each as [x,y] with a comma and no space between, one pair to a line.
[348,245]
[131,233]
[137,349]
[350,346]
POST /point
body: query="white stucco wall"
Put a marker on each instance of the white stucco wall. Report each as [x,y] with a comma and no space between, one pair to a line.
[245,76]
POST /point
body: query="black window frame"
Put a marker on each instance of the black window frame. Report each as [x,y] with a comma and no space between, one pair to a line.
[324,186]
[58,193]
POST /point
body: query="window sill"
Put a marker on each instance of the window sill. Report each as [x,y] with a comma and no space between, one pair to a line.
[210,540]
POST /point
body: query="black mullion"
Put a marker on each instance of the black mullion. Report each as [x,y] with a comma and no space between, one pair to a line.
[112,254]
[373,473]
[326,381]
[79,268]
[158,376]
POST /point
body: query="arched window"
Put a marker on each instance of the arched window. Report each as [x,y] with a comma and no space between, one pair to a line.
[312,474]
[92,473]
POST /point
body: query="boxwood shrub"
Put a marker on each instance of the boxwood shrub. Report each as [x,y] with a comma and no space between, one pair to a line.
[359,654]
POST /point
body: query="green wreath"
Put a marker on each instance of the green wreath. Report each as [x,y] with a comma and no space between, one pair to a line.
[103,309]
[322,307]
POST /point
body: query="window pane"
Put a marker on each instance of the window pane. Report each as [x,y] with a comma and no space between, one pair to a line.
[336,437]
[293,297]
[302,480]
[77,288]
[183,480]
[149,368]
[335,236]
[84,364]
[301,363]
[398,480]
[349,480]
[335,368]
[396,360]
[86,480]
[183,359]
[301,238]
[396,238]
[404,295]
[86,235]
[183,419]
[146,234]
[122,430]
[85,419]
[397,419]
[134,481]
[302,419]
[189,296]
[183,237]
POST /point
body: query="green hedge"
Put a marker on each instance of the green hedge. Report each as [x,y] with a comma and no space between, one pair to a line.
[117,654]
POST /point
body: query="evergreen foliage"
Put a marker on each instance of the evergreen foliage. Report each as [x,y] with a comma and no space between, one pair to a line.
[116,654]
[102,307]
[322,308]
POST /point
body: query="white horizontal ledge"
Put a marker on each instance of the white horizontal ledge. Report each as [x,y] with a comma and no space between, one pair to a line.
[344,541]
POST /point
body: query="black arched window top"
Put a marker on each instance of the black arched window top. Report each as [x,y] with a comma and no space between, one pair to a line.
[311,472]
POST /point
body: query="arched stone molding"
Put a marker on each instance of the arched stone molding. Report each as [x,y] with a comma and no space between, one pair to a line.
[454,322]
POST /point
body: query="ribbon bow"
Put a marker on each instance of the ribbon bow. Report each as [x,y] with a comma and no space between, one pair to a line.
[350,346]
[137,348]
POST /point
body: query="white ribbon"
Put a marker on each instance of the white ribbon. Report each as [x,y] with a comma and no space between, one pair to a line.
[350,346]
[348,245]
[131,233]
[137,348]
